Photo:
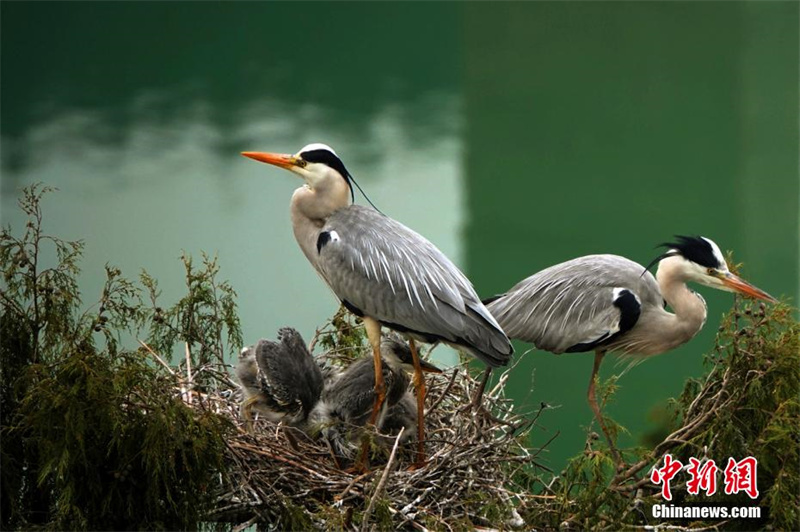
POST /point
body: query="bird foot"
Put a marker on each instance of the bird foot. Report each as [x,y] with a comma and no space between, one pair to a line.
[363,456]
[418,464]
[357,469]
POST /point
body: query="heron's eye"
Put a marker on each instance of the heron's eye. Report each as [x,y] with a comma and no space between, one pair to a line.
[710,271]
[301,163]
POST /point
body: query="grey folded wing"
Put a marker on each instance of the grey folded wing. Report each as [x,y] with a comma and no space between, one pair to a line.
[351,397]
[384,270]
[577,305]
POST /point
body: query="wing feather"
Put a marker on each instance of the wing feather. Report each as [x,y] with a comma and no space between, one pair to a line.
[571,305]
[398,277]
[290,375]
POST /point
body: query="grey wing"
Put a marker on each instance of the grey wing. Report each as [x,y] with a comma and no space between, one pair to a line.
[351,397]
[384,270]
[402,414]
[290,374]
[577,305]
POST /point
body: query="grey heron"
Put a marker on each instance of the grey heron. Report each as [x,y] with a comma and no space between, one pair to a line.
[607,303]
[383,271]
[347,400]
[280,380]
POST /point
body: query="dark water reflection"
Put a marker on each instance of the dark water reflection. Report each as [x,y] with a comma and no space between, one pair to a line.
[513,136]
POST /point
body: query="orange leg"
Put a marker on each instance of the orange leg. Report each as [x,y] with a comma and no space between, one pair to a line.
[419,384]
[374,335]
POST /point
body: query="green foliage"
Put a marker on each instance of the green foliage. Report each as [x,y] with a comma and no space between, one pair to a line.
[747,404]
[42,301]
[343,335]
[93,435]
[205,317]
[97,436]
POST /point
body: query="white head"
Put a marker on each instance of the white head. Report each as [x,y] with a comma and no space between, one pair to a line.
[699,259]
[316,163]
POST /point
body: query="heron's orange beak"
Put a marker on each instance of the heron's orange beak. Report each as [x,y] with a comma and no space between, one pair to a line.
[276,159]
[738,284]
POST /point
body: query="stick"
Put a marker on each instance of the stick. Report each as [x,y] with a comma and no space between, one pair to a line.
[248,524]
[158,358]
[188,373]
[381,482]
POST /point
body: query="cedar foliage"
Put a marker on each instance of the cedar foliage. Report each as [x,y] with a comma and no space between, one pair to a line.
[93,435]
[97,436]
[746,404]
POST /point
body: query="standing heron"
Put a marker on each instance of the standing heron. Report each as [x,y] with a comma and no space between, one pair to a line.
[607,303]
[280,380]
[346,402]
[383,271]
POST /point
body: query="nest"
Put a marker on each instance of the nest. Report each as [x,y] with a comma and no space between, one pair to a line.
[279,476]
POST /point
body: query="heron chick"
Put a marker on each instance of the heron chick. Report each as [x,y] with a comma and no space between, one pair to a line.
[345,405]
[280,380]
[607,303]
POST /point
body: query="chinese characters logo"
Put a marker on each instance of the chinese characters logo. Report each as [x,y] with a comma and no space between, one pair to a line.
[738,476]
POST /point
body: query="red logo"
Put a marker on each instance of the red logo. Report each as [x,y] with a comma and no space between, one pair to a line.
[703,477]
[741,476]
[665,474]
[738,476]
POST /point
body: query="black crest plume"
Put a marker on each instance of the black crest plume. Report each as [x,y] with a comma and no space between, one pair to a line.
[330,159]
[692,248]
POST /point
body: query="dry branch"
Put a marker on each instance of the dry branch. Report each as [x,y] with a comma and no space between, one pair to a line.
[280,476]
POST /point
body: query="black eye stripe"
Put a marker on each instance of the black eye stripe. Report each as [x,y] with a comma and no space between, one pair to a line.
[330,159]
[695,249]
[325,157]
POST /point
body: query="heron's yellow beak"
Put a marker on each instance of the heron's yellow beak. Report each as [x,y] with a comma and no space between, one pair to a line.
[276,159]
[737,284]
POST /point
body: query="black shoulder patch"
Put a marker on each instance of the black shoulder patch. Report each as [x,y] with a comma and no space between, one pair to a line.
[323,238]
[695,249]
[352,308]
[629,311]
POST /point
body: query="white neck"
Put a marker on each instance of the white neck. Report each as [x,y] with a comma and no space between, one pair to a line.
[311,208]
[659,330]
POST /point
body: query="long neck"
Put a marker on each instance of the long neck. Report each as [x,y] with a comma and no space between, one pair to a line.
[659,331]
[672,330]
[311,208]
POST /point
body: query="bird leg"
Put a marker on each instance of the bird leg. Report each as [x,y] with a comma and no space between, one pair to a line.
[477,400]
[419,384]
[477,404]
[246,412]
[374,335]
[598,358]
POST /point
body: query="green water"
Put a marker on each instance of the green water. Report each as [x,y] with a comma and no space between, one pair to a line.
[514,136]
